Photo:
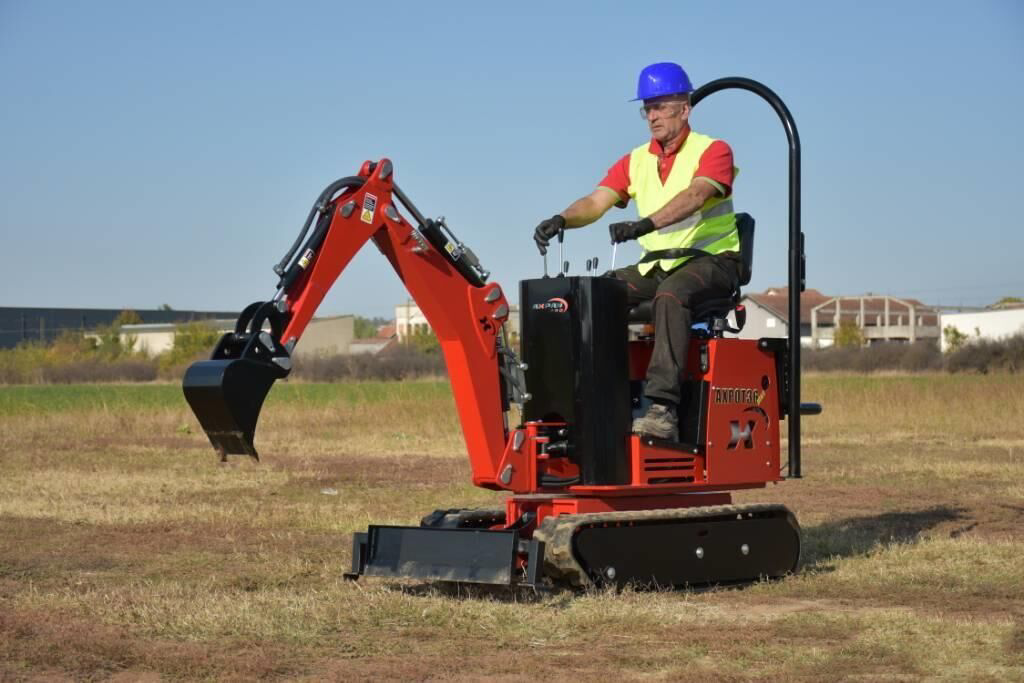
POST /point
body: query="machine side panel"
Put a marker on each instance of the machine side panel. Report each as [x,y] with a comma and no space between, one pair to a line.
[602,395]
[546,325]
[743,413]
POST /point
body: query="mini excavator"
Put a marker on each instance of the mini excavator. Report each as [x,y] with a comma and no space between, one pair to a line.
[590,503]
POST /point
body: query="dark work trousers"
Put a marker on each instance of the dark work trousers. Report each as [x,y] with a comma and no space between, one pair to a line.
[675,294]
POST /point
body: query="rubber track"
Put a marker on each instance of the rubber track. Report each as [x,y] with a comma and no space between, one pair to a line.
[556,532]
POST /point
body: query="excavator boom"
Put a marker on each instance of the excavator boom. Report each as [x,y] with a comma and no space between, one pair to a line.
[442,275]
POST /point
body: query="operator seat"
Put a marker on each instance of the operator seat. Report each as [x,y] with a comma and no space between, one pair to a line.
[714,313]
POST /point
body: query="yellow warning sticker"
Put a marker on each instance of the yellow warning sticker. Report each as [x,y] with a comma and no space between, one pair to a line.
[369,206]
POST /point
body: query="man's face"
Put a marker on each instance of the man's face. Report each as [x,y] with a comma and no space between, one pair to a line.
[666,116]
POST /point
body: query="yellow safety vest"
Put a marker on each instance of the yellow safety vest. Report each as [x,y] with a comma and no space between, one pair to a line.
[712,228]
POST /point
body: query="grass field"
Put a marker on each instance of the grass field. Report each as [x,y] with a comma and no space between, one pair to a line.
[127,552]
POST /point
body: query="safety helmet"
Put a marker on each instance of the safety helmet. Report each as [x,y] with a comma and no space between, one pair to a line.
[663,78]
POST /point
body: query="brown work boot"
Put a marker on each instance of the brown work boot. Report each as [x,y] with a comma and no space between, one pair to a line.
[660,422]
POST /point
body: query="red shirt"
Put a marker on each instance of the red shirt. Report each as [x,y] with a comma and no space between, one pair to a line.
[715,163]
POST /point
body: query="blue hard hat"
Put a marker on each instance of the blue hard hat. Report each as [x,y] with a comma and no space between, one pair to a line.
[663,78]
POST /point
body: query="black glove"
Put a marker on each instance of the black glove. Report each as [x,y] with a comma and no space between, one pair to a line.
[630,230]
[546,230]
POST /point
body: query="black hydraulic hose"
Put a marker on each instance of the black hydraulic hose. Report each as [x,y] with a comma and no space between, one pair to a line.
[410,207]
[348,182]
[797,275]
[280,268]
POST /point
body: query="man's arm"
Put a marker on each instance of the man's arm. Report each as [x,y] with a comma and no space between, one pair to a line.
[586,210]
[684,204]
[714,177]
[583,211]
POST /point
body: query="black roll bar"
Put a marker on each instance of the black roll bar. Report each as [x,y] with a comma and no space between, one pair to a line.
[797,269]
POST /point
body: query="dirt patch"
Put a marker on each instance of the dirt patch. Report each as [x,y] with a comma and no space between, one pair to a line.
[89,651]
[378,471]
[45,551]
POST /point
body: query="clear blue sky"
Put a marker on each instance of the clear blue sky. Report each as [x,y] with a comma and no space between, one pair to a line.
[168,152]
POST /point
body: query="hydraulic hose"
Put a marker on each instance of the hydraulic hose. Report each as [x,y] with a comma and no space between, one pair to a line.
[321,204]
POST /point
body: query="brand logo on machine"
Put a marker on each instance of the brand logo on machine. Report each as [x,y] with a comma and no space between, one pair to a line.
[742,431]
[555,305]
[738,395]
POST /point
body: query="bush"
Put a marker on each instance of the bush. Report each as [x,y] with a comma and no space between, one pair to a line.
[953,337]
[73,358]
[977,355]
[125,370]
[192,341]
[916,357]
[849,335]
[986,355]
[396,363]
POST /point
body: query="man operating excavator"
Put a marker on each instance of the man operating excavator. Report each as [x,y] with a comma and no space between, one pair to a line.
[681,182]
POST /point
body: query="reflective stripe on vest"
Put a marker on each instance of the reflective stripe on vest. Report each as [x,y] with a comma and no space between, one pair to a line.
[712,229]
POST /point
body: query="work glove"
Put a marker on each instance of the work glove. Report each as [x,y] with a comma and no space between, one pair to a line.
[630,230]
[546,230]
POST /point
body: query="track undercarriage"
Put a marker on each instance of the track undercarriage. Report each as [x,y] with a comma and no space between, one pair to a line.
[673,547]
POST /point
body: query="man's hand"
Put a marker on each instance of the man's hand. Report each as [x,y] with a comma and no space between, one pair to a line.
[546,230]
[630,230]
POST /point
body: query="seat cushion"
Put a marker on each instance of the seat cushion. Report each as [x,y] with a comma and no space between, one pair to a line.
[643,312]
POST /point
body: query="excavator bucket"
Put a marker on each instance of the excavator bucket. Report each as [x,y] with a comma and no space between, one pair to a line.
[226,396]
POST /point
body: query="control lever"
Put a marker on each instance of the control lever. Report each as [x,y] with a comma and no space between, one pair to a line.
[561,254]
[565,268]
[589,261]
[595,265]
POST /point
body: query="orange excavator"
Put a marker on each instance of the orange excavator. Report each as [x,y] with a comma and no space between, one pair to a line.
[590,502]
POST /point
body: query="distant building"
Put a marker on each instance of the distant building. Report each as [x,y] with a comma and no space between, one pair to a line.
[409,320]
[327,336]
[156,338]
[993,324]
[24,324]
[768,313]
[371,346]
[323,336]
[385,339]
[879,318]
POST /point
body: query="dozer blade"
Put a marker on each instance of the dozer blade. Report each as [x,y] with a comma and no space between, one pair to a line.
[226,396]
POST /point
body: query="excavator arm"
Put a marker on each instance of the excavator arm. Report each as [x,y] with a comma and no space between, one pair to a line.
[441,274]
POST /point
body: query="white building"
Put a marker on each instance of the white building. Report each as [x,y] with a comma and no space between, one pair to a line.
[768,314]
[323,336]
[156,338]
[409,320]
[994,324]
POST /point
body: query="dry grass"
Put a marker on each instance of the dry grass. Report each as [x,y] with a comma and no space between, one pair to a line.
[126,551]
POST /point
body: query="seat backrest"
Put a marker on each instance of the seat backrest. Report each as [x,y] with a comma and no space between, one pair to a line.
[745,228]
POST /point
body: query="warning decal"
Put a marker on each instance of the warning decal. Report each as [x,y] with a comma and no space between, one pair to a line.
[369,206]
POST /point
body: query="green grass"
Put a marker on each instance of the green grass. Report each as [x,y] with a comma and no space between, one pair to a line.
[126,549]
[45,399]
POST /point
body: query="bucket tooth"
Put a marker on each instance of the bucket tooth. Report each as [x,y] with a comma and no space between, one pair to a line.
[226,396]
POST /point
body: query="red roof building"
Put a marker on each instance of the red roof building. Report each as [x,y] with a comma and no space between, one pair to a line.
[879,318]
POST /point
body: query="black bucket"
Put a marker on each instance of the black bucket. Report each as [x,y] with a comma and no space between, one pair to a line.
[226,396]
